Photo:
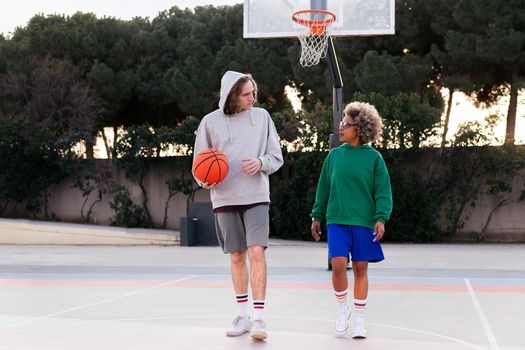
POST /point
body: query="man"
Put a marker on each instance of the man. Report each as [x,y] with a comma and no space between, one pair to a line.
[247,136]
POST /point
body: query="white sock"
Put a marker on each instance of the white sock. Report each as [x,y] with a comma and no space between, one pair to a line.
[359,308]
[242,303]
[258,308]
[341,297]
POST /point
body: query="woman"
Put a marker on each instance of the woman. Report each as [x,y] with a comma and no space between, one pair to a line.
[355,198]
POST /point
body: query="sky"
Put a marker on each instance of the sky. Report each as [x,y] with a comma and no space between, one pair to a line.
[18,12]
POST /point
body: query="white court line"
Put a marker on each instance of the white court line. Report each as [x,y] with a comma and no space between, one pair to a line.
[97,302]
[445,278]
[200,317]
[484,321]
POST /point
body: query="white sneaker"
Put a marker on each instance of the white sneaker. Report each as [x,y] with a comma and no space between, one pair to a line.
[258,330]
[359,328]
[240,325]
[341,322]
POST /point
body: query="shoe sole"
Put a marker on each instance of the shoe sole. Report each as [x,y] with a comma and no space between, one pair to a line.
[359,336]
[228,334]
[340,334]
[259,335]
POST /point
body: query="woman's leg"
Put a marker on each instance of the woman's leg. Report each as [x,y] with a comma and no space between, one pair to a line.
[360,269]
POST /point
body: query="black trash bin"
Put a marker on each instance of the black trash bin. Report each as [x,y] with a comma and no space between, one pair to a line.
[198,228]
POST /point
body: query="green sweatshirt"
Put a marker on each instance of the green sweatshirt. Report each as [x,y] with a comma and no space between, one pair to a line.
[354,187]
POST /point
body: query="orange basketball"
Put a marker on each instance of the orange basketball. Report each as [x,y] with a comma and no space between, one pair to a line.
[210,166]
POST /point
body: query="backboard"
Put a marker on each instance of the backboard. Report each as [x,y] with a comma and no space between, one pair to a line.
[273,18]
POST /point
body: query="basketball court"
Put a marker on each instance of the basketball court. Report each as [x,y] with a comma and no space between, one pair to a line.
[69,297]
[155,297]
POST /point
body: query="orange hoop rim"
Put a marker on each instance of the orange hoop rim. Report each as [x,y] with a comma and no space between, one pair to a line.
[314,22]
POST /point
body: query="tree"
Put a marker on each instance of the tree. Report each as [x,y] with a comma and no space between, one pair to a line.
[31,160]
[399,87]
[50,94]
[91,179]
[185,184]
[485,41]
[135,148]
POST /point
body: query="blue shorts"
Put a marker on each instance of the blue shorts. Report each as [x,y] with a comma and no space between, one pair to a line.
[355,240]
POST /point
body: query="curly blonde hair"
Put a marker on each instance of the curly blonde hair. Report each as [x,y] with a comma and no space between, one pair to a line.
[367,121]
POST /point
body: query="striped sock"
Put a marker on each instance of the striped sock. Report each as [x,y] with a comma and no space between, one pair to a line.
[341,297]
[242,302]
[359,308]
[258,308]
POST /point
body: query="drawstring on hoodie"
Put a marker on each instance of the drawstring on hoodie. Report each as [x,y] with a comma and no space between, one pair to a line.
[227,82]
[230,126]
[230,129]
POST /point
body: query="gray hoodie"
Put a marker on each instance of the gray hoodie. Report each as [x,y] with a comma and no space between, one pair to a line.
[247,134]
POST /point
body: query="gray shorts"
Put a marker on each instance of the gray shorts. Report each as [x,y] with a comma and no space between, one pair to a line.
[238,230]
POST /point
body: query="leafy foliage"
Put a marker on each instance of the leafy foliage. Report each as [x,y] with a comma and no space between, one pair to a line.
[31,160]
[65,78]
[183,182]
[483,41]
[136,146]
[127,213]
[91,177]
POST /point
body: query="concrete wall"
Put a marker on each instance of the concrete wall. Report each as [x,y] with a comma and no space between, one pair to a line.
[507,224]
[65,202]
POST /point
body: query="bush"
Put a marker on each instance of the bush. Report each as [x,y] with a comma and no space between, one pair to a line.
[127,213]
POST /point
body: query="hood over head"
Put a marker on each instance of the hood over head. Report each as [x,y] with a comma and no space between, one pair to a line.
[228,80]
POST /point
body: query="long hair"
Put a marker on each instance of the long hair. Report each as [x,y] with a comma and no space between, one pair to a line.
[232,102]
[367,121]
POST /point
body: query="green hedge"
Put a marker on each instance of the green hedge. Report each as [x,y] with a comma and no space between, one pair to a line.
[426,183]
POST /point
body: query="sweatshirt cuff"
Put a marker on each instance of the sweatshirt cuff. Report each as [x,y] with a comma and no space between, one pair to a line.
[264,167]
[380,219]
[316,217]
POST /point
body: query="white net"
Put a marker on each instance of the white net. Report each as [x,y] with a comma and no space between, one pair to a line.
[314,38]
[313,48]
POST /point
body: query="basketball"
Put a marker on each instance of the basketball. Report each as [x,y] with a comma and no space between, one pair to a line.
[210,166]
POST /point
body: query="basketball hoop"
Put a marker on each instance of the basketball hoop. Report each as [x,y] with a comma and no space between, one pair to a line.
[314,39]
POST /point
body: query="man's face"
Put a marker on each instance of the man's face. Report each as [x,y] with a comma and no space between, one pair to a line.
[246,98]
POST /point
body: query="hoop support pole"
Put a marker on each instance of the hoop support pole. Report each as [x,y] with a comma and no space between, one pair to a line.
[337,94]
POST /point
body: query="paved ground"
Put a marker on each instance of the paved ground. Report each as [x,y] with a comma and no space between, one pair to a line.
[22,231]
[169,297]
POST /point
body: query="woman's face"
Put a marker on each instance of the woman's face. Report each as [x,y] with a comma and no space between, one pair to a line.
[348,132]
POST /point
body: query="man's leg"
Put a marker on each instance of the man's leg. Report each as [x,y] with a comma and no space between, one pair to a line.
[360,269]
[239,272]
[258,277]
[257,226]
[258,274]
[230,233]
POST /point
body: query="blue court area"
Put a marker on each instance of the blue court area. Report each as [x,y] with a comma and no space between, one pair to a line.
[153,297]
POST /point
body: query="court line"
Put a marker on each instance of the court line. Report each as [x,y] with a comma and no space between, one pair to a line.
[484,321]
[6,277]
[214,283]
[377,277]
[125,295]
[198,317]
